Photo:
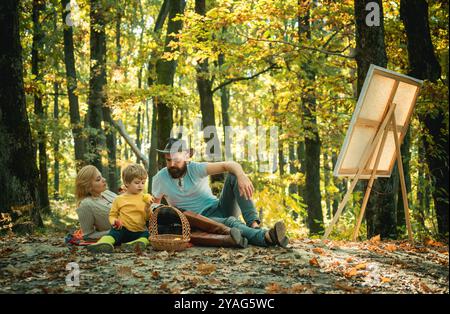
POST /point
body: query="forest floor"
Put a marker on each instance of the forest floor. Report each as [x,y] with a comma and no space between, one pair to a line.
[37,264]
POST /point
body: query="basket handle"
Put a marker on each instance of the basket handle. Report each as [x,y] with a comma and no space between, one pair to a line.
[153,224]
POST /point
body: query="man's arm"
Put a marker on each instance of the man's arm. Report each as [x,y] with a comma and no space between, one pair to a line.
[246,188]
[157,200]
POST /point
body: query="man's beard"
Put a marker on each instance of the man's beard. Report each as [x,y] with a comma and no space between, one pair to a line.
[177,172]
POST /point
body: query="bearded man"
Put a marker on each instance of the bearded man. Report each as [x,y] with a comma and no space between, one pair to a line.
[185,185]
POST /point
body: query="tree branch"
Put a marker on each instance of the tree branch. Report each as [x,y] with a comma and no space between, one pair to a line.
[121,128]
[244,78]
[327,52]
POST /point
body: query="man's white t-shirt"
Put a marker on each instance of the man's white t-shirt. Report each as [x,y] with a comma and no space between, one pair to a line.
[194,194]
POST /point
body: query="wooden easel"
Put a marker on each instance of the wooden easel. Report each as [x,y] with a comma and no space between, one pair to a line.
[388,122]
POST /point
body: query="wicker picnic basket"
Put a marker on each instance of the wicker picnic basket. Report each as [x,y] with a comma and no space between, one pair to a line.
[169,242]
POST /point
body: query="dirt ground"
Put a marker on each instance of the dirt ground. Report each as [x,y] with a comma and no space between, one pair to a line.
[40,264]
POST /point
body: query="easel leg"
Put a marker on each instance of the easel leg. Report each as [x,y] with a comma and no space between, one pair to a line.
[363,209]
[402,183]
[341,207]
[369,185]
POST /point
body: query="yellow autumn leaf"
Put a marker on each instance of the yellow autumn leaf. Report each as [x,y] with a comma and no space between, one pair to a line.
[351,273]
[206,269]
[385,279]
[361,266]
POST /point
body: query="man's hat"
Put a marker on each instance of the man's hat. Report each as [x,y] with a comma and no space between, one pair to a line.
[175,145]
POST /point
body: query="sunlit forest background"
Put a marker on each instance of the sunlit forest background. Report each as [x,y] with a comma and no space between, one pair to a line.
[105,81]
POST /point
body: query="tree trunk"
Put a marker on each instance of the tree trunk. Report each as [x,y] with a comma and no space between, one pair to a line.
[204,86]
[281,162]
[56,143]
[293,189]
[423,190]
[301,159]
[327,182]
[36,59]
[165,71]
[153,155]
[110,131]
[339,184]
[224,100]
[312,142]
[111,145]
[138,131]
[56,133]
[370,48]
[425,66]
[118,33]
[19,177]
[97,83]
[72,85]
[312,179]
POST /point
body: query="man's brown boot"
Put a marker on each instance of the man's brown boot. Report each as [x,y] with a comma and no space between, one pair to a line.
[197,221]
[233,239]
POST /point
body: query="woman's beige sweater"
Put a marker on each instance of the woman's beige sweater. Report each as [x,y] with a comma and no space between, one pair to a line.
[93,214]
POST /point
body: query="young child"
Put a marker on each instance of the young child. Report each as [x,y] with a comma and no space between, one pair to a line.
[129,213]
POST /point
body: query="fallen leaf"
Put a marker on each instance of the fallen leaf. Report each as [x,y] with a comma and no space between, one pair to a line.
[391,247]
[214,281]
[344,287]
[335,264]
[138,275]
[361,266]
[349,259]
[425,288]
[421,250]
[376,239]
[296,288]
[318,250]
[351,272]
[307,272]
[12,270]
[313,262]
[123,271]
[385,279]
[274,288]
[155,275]
[206,269]
[138,262]
[376,249]
[431,242]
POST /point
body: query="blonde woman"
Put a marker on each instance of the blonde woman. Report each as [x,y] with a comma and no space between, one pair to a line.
[93,203]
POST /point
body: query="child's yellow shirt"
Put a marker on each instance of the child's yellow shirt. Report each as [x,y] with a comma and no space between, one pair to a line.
[130,210]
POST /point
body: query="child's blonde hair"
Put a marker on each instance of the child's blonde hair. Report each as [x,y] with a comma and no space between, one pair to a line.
[133,171]
[83,182]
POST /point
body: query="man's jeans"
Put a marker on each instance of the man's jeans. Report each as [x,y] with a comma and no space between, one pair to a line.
[230,201]
[254,236]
